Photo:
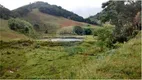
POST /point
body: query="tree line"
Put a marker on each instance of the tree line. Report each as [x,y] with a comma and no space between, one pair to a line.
[125,15]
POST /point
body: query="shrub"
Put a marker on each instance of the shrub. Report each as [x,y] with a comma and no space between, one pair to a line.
[87,31]
[86,44]
[21,26]
[105,35]
[135,32]
[78,30]
[126,33]
[49,28]
[75,50]
[66,31]
[95,33]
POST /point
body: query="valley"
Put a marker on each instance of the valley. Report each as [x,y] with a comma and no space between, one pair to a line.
[44,41]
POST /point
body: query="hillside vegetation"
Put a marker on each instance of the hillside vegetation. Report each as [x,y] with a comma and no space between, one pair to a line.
[125,15]
[48,9]
[33,60]
[7,34]
[43,22]
[22,26]
[5,13]
[43,41]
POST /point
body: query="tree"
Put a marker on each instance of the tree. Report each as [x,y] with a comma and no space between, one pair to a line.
[87,31]
[21,26]
[104,35]
[121,14]
[78,30]
[5,13]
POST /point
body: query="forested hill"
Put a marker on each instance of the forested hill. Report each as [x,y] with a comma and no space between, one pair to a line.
[5,13]
[48,9]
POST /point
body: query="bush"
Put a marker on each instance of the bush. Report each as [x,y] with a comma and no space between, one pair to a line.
[75,50]
[127,32]
[78,30]
[95,32]
[105,35]
[49,28]
[66,31]
[87,31]
[21,26]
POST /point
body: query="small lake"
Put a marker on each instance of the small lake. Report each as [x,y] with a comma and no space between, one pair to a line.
[68,39]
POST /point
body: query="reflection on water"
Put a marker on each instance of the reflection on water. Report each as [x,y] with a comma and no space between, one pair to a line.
[62,39]
[66,40]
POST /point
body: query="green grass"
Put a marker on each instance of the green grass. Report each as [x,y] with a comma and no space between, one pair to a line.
[65,60]
[7,34]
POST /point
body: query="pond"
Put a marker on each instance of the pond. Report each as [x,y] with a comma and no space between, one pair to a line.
[65,39]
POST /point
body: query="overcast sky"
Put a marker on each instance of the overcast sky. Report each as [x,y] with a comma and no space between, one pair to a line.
[84,8]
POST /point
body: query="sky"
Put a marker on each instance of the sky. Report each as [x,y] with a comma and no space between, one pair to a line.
[84,8]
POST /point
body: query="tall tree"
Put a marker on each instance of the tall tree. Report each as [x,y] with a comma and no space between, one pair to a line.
[121,14]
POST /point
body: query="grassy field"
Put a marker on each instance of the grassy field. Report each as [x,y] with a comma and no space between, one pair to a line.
[64,60]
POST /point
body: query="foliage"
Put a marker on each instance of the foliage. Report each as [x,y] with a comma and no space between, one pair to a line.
[21,26]
[50,28]
[48,9]
[66,31]
[96,18]
[90,21]
[57,11]
[25,59]
[90,59]
[104,34]
[122,14]
[75,30]
[87,31]
[7,34]
[5,13]
[78,30]
[75,50]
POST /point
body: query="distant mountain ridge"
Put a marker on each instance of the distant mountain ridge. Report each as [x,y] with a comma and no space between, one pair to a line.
[48,9]
[43,7]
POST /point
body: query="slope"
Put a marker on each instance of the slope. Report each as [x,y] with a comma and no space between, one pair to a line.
[48,9]
[122,63]
[62,61]
[7,34]
[43,22]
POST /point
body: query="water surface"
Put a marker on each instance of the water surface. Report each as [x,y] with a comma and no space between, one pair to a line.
[62,39]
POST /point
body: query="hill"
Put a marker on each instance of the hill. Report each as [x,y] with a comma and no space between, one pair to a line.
[96,18]
[43,22]
[48,9]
